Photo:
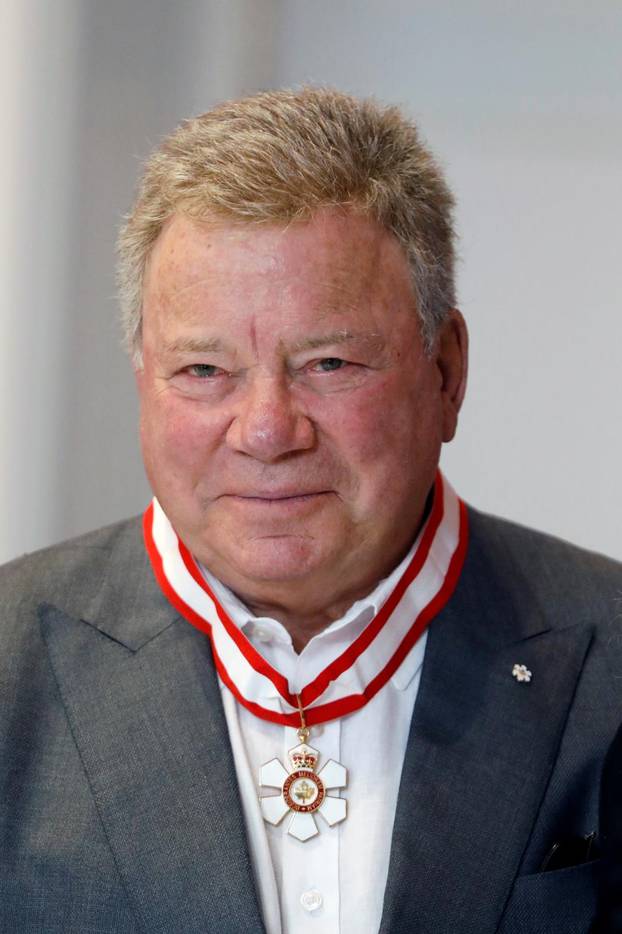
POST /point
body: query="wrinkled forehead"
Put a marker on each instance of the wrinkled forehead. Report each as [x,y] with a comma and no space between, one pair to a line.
[334,251]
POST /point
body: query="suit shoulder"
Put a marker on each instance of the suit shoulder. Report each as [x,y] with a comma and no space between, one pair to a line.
[558,573]
[533,548]
[45,575]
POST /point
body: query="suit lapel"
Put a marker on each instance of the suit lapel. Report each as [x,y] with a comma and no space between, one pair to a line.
[144,707]
[481,748]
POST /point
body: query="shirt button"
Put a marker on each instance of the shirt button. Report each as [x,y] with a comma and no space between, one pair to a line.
[311,900]
[262,634]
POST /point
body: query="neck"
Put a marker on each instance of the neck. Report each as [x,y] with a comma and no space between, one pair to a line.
[303,625]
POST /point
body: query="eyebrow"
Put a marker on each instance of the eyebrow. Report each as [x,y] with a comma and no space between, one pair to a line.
[194,345]
[198,345]
[342,336]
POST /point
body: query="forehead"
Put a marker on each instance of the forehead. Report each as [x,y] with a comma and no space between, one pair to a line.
[335,261]
[338,243]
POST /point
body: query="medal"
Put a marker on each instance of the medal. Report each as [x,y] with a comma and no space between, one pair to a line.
[303,790]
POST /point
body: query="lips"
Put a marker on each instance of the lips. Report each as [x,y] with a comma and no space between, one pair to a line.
[277,495]
[276,502]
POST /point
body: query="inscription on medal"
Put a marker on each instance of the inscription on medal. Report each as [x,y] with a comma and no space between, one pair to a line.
[303,791]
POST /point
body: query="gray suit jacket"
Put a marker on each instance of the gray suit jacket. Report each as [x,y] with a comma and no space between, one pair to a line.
[119,806]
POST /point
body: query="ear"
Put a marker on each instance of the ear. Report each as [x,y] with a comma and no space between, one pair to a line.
[452,357]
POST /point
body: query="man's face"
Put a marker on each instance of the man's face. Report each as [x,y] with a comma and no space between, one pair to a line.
[291,420]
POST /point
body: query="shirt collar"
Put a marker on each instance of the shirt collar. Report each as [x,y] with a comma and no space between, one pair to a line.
[331,641]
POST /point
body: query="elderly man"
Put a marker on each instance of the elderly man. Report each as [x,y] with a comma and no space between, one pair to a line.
[310,690]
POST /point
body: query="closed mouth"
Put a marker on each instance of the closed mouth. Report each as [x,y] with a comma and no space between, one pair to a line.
[278,498]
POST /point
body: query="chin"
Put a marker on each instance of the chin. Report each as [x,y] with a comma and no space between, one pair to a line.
[276,559]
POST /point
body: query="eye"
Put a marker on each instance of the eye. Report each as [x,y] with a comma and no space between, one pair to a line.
[204,370]
[330,364]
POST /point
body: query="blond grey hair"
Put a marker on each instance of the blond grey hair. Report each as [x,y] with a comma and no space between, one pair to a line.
[279,156]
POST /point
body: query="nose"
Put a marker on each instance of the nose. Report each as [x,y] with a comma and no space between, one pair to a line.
[269,423]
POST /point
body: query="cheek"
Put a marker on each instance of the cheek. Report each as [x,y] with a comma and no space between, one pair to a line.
[386,425]
[174,432]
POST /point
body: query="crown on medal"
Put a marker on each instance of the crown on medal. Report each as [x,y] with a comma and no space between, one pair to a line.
[303,757]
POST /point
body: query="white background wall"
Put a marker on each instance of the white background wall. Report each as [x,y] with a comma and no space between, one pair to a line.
[520,100]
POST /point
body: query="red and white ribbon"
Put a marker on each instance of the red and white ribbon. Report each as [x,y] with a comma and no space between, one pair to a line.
[375,655]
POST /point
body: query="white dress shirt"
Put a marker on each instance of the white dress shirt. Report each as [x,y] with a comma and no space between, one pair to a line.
[333,883]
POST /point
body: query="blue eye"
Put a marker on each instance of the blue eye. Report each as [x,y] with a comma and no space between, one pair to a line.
[204,370]
[330,364]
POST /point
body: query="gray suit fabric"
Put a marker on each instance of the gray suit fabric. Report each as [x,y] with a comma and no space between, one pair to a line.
[119,810]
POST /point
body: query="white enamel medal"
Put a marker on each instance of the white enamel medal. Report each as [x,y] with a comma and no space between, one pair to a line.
[303,790]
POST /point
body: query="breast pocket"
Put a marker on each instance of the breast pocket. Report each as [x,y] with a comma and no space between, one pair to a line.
[559,902]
